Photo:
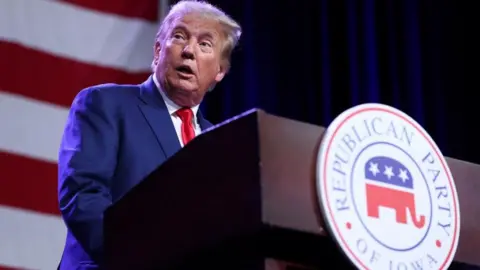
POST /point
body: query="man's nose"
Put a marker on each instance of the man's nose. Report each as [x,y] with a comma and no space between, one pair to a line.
[188,52]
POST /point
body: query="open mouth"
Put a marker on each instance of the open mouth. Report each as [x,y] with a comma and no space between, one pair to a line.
[185,70]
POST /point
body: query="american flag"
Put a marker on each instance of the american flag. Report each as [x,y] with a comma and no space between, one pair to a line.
[49,51]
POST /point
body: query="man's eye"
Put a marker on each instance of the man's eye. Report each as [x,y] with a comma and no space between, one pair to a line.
[178,36]
[207,44]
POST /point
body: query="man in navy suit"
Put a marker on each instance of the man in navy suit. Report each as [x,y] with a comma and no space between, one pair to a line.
[116,135]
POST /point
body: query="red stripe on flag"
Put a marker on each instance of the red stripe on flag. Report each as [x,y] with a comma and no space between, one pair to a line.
[144,9]
[51,78]
[8,268]
[28,184]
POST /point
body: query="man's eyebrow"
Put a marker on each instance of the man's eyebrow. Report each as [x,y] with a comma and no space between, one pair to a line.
[179,27]
[207,35]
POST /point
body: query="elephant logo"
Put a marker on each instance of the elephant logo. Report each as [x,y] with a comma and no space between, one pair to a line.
[389,184]
[385,191]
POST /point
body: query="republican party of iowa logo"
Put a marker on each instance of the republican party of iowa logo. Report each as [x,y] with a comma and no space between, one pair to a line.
[386,192]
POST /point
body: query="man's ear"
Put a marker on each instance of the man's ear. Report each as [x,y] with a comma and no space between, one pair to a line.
[156,52]
[222,70]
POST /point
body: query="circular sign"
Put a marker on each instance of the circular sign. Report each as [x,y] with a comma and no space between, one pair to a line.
[386,192]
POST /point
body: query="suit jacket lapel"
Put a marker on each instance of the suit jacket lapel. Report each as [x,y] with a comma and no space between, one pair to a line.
[155,111]
[204,124]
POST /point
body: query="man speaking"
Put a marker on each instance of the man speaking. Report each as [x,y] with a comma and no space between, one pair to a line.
[116,135]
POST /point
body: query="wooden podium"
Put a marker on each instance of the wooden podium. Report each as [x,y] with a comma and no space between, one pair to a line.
[242,196]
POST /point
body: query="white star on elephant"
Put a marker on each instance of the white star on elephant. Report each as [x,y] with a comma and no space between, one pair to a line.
[388,172]
[403,175]
[374,168]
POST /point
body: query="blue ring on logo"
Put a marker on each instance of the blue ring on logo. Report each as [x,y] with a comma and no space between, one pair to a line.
[355,206]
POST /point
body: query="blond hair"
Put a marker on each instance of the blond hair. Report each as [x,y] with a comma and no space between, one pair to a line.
[231,29]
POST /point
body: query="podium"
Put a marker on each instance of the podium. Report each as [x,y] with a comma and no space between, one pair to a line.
[242,196]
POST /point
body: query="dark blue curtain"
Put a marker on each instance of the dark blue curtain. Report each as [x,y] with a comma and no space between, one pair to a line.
[310,60]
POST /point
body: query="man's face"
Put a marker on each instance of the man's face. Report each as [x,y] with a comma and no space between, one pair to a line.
[188,61]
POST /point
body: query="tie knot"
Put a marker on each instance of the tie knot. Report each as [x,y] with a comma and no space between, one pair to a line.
[185,114]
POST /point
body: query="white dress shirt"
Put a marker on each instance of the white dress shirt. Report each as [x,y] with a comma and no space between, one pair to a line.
[172,108]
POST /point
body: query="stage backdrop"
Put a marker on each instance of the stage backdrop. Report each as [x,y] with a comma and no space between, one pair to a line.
[49,50]
[310,60]
[307,60]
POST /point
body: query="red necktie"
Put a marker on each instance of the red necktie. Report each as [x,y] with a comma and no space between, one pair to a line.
[188,133]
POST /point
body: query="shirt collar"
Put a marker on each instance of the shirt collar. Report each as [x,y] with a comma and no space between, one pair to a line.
[172,106]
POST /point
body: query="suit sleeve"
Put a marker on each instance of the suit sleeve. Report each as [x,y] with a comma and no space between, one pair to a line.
[87,161]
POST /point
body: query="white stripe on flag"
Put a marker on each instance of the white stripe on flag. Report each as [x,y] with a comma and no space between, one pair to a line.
[78,33]
[30,127]
[30,240]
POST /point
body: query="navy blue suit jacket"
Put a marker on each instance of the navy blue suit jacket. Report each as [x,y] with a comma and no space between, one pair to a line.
[115,136]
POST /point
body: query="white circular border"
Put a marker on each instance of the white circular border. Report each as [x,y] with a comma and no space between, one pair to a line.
[325,141]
